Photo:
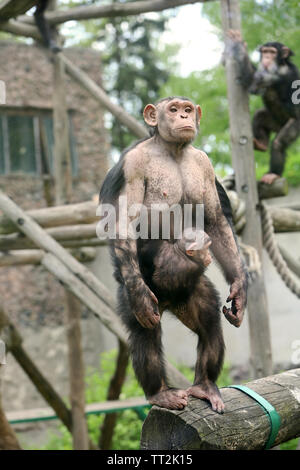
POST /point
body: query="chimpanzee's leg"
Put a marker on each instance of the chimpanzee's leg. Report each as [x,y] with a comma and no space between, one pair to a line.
[285,137]
[147,359]
[45,29]
[202,315]
[263,124]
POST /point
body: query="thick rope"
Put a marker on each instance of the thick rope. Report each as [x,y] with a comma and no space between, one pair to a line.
[274,253]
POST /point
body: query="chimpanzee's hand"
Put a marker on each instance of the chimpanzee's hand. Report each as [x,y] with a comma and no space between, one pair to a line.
[144,306]
[238,296]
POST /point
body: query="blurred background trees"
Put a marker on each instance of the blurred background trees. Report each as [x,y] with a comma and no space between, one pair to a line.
[140,67]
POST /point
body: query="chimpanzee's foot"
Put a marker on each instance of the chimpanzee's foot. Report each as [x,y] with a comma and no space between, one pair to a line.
[258,145]
[269,178]
[171,398]
[209,391]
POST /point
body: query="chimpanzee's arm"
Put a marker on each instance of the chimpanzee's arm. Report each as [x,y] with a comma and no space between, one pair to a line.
[238,49]
[142,300]
[224,246]
[43,25]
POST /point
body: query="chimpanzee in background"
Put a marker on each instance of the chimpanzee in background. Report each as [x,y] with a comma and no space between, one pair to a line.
[272,79]
[166,168]
[47,32]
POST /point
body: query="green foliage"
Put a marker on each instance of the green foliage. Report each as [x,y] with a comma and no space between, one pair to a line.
[128,428]
[289,445]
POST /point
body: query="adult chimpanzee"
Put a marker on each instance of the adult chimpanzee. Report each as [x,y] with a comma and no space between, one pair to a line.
[46,31]
[273,80]
[166,168]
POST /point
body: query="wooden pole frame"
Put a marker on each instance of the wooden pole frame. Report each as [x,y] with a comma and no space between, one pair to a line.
[244,166]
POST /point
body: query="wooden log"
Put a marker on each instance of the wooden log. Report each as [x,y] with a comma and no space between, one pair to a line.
[12,8]
[76,372]
[23,257]
[71,214]
[277,189]
[8,439]
[21,29]
[62,154]
[244,425]
[112,10]
[11,243]
[285,220]
[244,167]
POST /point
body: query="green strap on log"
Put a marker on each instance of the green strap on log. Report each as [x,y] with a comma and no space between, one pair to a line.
[268,409]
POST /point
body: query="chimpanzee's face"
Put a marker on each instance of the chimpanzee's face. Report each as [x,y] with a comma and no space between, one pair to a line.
[177,120]
[269,57]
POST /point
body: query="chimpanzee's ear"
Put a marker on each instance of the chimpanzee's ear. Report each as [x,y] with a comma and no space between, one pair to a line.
[150,115]
[199,112]
[286,52]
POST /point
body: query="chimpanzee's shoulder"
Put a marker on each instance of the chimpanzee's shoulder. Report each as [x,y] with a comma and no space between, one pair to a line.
[202,159]
[135,159]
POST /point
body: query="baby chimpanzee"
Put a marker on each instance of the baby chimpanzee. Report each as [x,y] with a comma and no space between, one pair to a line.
[177,265]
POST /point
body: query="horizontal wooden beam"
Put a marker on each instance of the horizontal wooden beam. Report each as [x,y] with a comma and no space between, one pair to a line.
[244,425]
[285,220]
[12,8]
[56,216]
[23,257]
[112,10]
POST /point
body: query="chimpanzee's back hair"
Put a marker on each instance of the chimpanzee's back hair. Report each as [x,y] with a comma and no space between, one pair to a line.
[115,179]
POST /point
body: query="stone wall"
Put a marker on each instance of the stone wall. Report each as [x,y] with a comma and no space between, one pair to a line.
[30,295]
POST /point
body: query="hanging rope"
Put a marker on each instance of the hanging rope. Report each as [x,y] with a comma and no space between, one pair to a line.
[274,253]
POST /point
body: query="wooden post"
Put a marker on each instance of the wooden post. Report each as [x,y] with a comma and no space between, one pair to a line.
[8,440]
[244,167]
[244,425]
[62,156]
[63,192]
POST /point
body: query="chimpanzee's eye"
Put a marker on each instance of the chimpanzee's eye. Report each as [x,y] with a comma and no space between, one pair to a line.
[188,110]
[173,109]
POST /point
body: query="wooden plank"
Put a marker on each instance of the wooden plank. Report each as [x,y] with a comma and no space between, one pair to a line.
[12,8]
[244,167]
[43,414]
